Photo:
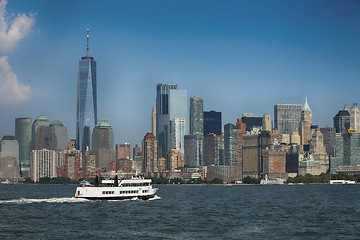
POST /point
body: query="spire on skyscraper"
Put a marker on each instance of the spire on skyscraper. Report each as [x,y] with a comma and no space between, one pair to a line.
[306,105]
[87,41]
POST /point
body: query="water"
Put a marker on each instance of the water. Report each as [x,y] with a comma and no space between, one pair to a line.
[184,212]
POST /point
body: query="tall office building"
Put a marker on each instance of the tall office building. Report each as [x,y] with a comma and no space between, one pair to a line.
[342,120]
[171,103]
[287,118]
[196,116]
[38,133]
[103,145]
[103,136]
[57,136]
[355,117]
[212,123]
[9,146]
[347,152]
[305,124]
[23,136]
[86,117]
[153,120]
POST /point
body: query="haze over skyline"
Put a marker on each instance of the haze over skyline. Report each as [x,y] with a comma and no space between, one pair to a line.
[239,56]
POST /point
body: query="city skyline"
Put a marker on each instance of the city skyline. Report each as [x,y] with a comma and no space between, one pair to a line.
[237,56]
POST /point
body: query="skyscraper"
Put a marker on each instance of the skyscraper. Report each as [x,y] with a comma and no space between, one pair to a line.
[354,117]
[287,118]
[196,116]
[57,136]
[171,103]
[342,120]
[23,135]
[9,146]
[86,117]
[305,124]
[212,123]
[39,129]
[153,120]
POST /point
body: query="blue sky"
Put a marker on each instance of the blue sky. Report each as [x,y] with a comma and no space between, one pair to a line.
[239,56]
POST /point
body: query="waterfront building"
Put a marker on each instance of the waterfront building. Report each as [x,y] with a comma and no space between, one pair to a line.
[329,139]
[305,124]
[229,147]
[43,164]
[251,122]
[213,150]
[193,147]
[149,149]
[355,117]
[197,116]
[153,121]
[39,131]
[171,103]
[274,163]
[9,169]
[9,146]
[212,123]
[342,120]
[23,136]
[347,151]
[287,118]
[307,165]
[86,113]
[173,160]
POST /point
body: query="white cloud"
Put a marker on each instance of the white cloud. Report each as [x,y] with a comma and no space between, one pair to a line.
[11,90]
[11,34]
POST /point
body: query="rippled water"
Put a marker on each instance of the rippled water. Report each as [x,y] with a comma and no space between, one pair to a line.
[184,212]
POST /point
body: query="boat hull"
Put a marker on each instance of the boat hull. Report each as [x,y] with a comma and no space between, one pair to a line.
[119,197]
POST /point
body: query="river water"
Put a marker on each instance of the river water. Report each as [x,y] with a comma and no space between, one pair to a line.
[184,212]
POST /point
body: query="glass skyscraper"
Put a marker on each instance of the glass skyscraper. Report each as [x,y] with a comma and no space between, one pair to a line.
[287,118]
[86,117]
[196,116]
[212,123]
[171,103]
[23,135]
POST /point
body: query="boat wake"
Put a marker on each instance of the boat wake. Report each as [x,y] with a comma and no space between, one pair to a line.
[62,200]
[48,200]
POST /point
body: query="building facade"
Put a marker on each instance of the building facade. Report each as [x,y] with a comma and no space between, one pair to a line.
[171,103]
[43,164]
[287,118]
[342,120]
[23,136]
[38,133]
[212,123]
[197,116]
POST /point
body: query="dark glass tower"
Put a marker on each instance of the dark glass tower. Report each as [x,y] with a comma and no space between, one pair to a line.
[212,123]
[86,115]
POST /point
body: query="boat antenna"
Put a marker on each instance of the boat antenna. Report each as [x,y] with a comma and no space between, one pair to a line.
[87,41]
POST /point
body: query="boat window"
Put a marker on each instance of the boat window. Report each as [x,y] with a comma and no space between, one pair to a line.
[103,192]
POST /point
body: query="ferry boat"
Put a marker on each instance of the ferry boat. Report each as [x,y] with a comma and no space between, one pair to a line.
[137,187]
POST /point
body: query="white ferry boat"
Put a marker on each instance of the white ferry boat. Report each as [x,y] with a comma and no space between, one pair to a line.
[137,187]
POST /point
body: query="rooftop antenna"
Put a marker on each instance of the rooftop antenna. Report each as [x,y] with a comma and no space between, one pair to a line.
[87,41]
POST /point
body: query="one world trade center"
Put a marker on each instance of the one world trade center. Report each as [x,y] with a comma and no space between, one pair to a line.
[86,115]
